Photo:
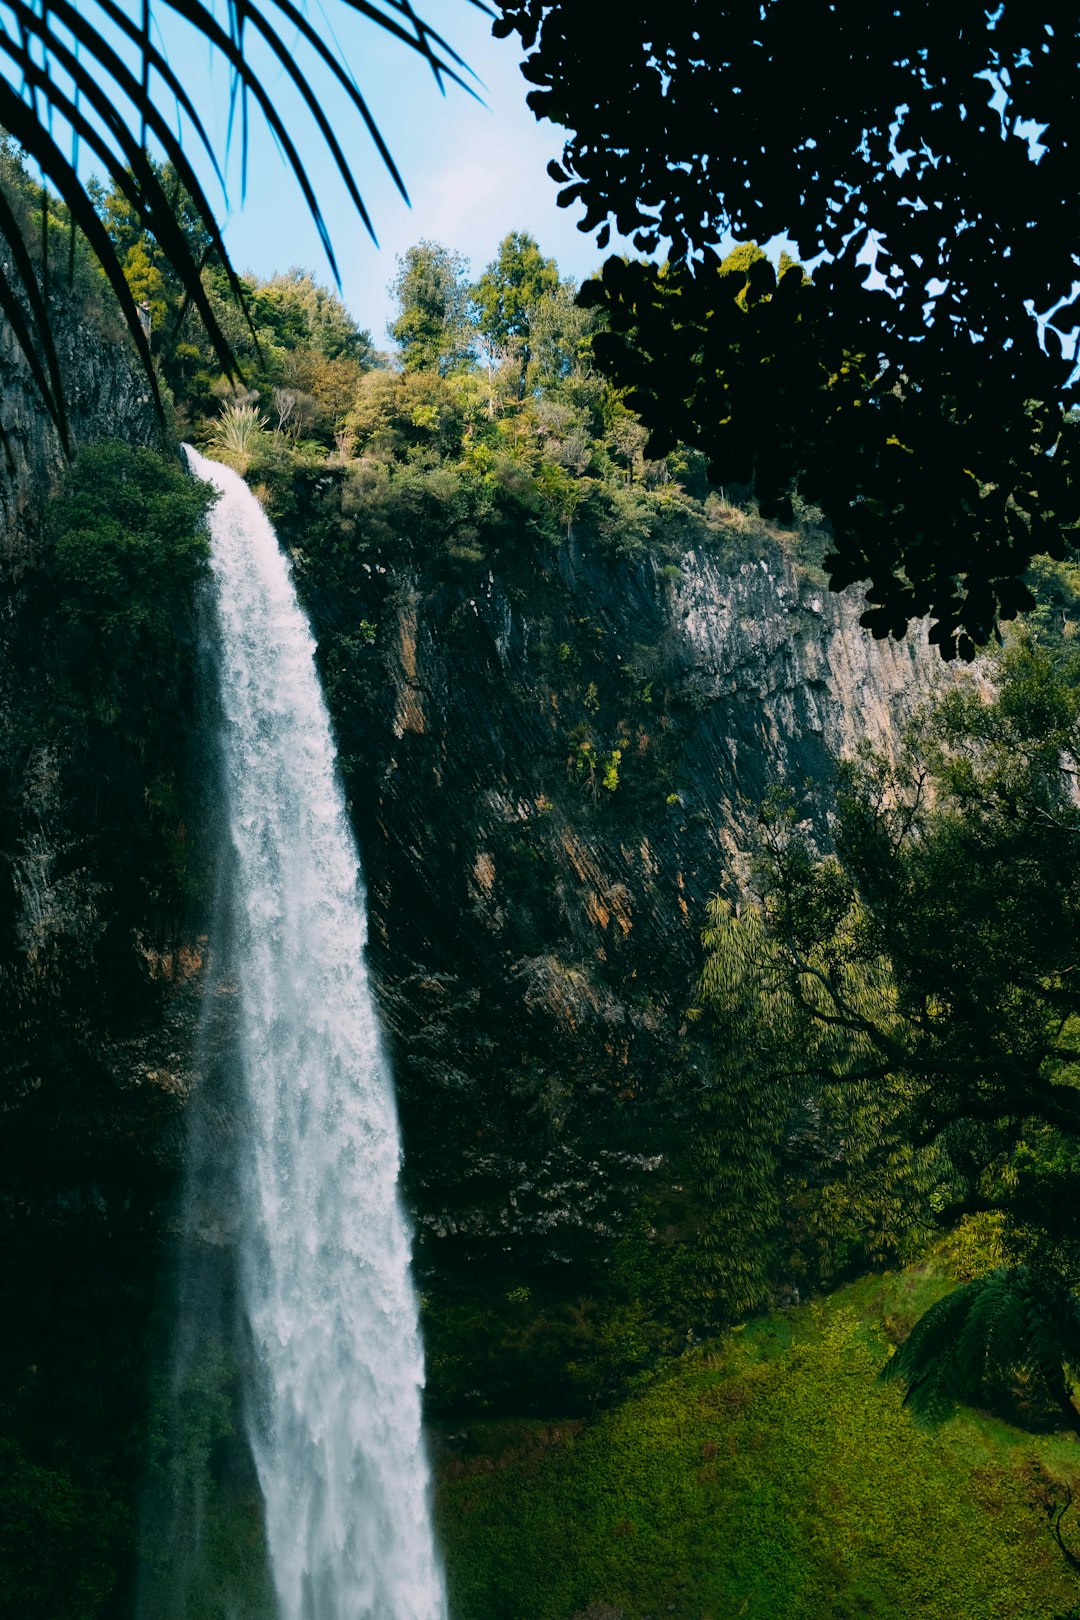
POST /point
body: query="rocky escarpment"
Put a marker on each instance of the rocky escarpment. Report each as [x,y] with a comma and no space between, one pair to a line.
[554,758]
[552,768]
[61,795]
[106,396]
[100,964]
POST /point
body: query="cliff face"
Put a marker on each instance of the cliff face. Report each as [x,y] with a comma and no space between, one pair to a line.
[553,762]
[68,1056]
[96,1039]
[553,759]
[107,398]
[551,771]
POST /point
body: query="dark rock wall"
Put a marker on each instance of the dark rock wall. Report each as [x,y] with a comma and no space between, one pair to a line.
[553,770]
[70,1064]
[96,1032]
[107,398]
[552,762]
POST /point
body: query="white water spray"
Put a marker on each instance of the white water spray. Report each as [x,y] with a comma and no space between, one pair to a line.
[334,1416]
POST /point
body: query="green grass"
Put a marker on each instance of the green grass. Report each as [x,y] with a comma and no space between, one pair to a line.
[769,1477]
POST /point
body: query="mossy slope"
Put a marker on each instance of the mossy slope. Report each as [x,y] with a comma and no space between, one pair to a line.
[769,1476]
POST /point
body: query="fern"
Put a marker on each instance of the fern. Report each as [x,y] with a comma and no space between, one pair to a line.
[1015,1324]
[926,1361]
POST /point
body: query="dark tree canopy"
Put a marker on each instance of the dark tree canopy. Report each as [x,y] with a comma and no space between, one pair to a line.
[927,417]
[897,1022]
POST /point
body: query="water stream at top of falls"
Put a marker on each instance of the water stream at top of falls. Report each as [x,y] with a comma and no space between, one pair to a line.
[334,1408]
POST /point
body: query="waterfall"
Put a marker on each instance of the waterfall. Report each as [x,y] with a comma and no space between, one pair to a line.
[334,1412]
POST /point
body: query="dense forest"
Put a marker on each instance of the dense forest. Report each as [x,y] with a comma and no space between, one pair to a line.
[738,1080]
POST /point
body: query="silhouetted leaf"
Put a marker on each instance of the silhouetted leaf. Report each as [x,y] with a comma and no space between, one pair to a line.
[696,124]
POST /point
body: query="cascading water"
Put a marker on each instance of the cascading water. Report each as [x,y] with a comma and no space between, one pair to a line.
[334,1420]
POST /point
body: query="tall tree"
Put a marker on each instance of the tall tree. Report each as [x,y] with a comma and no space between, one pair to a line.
[432,329]
[302,314]
[926,971]
[148,269]
[928,411]
[560,334]
[507,296]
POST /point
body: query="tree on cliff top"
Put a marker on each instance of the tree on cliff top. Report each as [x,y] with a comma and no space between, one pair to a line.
[507,296]
[432,328]
[928,416]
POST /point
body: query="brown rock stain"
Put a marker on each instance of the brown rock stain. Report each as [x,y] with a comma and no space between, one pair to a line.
[605,900]
[409,715]
[484,872]
[407,647]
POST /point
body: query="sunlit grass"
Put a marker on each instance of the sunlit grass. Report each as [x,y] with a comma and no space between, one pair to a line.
[770,1475]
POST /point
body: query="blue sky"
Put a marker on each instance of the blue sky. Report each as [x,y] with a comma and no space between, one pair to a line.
[475,169]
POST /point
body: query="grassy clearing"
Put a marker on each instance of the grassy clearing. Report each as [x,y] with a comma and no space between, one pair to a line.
[769,1475]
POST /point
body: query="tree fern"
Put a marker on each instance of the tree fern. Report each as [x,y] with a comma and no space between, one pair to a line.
[926,1361]
[1013,1325]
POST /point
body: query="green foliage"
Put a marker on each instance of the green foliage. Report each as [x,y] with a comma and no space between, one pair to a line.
[513,1344]
[895,1022]
[931,420]
[106,677]
[528,449]
[83,68]
[236,434]
[560,334]
[301,353]
[1055,585]
[202,1551]
[522,452]
[128,545]
[597,769]
[1012,1327]
[432,327]
[148,270]
[300,314]
[745,1118]
[508,293]
[394,413]
[58,1541]
[458,467]
[802,1178]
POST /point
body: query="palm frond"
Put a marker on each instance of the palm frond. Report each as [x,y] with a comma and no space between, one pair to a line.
[61,63]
